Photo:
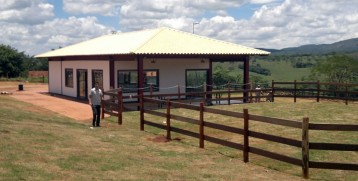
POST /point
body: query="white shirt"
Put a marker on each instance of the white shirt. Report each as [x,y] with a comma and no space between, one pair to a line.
[95,96]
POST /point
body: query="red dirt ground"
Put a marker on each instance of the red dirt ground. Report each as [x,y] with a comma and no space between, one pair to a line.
[37,94]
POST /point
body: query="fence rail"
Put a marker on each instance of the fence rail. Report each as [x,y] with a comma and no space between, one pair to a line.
[115,106]
[304,143]
[318,90]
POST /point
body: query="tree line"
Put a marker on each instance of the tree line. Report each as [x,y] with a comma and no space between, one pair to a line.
[17,64]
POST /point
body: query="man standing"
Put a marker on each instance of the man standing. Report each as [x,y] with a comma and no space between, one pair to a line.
[95,97]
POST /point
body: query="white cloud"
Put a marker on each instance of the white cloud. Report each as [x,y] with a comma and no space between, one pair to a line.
[176,13]
[141,14]
[30,25]
[262,1]
[12,4]
[101,7]
[25,12]
[109,7]
[291,23]
[51,34]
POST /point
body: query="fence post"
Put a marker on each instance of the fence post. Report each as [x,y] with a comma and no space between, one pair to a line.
[273,91]
[179,92]
[43,79]
[201,142]
[318,90]
[141,112]
[305,148]
[246,135]
[294,93]
[120,106]
[346,94]
[102,107]
[229,94]
[251,92]
[220,98]
[204,92]
[168,120]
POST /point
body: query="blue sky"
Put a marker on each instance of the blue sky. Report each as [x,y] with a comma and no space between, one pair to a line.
[37,26]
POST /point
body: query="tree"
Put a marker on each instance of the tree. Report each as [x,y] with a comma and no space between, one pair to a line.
[258,80]
[336,68]
[221,76]
[34,64]
[10,61]
[14,63]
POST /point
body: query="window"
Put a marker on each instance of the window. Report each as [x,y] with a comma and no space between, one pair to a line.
[195,79]
[97,76]
[128,80]
[69,78]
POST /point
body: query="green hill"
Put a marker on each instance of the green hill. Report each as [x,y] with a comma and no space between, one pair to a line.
[290,64]
[280,70]
[345,46]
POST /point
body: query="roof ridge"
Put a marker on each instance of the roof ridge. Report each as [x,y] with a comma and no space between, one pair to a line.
[145,42]
[204,37]
[217,40]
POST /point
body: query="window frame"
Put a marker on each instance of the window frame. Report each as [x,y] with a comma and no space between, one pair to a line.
[93,78]
[135,87]
[187,90]
[67,78]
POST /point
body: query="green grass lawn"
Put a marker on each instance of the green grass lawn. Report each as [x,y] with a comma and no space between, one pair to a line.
[38,144]
[324,112]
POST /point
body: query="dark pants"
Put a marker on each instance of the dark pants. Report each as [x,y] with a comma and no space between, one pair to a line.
[96,109]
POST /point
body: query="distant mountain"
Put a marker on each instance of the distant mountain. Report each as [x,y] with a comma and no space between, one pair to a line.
[345,46]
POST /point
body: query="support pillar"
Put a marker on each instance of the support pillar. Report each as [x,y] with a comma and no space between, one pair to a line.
[140,69]
[210,81]
[111,73]
[246,78]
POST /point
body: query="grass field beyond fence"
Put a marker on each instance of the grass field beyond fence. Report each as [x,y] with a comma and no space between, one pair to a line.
[315,111]
[38,144]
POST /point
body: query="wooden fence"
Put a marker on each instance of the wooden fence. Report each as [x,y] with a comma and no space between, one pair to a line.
[116,104]
[38,76]
[318,90]
[304,143]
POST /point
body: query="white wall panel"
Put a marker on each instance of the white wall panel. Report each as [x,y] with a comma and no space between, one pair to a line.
[54,82]
[89,66]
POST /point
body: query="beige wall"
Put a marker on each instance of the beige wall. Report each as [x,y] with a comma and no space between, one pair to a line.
[54,82]
[171,71]
[89,66]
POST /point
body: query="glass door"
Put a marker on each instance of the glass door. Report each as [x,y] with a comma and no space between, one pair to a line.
[195,80]
[82,84]
[97,76]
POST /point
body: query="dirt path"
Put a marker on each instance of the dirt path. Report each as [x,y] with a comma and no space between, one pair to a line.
[37,94]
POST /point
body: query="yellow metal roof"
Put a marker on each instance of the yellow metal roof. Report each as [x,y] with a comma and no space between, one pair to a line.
[154,41]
